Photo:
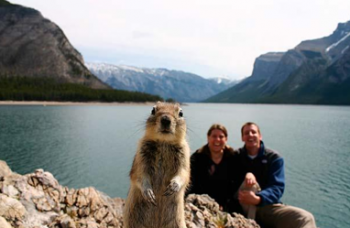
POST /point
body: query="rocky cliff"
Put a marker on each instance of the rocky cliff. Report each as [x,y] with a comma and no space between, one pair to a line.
[37,200]
[33,46]
[265,65]
[254,86]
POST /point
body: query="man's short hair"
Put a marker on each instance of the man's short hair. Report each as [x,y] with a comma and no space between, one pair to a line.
[248,124]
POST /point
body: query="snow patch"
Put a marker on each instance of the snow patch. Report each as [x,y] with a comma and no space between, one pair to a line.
[346,48]
[158,72]
[295,87]
[222,80]
[105,67]
[124,67]
[337,43]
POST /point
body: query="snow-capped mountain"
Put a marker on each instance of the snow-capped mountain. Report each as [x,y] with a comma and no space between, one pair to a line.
[224,81]
[178,85]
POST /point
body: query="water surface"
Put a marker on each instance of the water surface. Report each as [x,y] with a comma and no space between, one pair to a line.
[94,146]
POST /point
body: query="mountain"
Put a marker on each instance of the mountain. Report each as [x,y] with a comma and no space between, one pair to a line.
[178,85]
[33,46]
[254,86]
[314,72]
[37,62]
[317,81]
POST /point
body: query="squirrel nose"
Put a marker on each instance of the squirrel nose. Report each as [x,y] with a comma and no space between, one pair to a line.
[165,121]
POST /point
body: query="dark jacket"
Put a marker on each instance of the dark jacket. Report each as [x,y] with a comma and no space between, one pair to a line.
[268,168]
[210,178]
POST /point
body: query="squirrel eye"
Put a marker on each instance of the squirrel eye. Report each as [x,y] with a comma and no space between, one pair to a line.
[153,111]
[181,114]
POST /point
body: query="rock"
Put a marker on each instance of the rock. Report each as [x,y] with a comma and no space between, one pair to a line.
[83,197]
[4,223]
[36,200]
[33,181]
[239,220]
[10,191]
[44,203]
[201,211]
[55,194]
[87,223]
[63,221]
[11,209]
[4,170]
[72,211]
[119,205]
[101,214]
[84,212]
[71,197]
[45,178]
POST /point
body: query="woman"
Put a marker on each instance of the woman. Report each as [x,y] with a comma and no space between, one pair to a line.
[210,168]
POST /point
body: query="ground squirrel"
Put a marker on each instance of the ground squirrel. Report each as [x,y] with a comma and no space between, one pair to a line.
[160,172]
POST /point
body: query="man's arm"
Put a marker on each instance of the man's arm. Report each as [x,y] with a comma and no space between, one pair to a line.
[273,192]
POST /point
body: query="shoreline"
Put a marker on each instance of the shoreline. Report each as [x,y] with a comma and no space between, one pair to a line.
[72,103]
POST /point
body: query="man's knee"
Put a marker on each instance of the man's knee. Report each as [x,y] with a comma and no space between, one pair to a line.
[303,218]
[284,216]
[308,220]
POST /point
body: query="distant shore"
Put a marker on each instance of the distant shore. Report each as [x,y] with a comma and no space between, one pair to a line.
[71,103]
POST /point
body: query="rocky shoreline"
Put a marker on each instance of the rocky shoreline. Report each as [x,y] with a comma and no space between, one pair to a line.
[37,200]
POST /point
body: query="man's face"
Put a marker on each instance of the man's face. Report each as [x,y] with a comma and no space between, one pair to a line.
[216,141]
[251,136]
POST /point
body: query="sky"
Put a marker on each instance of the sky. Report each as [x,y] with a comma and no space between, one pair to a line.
[210,38]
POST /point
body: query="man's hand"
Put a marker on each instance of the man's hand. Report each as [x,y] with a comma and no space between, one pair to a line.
[249,180]
[248,197]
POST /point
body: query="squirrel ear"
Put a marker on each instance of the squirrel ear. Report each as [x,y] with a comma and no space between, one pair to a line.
[153,112]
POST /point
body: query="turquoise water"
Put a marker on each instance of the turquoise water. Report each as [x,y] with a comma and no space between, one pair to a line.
[94,146]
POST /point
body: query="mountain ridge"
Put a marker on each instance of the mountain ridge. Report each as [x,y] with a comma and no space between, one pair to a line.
[37,62]
[307,74]
[33,46]
[178,85]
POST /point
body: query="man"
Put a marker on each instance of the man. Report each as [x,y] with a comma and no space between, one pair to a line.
[267,167]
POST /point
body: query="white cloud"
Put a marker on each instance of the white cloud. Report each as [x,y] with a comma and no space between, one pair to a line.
[207,37]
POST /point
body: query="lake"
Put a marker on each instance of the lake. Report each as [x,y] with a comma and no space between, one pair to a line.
[94,146]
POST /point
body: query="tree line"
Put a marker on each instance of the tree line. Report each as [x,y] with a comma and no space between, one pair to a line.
[49,89]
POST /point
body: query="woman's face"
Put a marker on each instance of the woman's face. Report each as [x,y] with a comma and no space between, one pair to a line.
[217,141]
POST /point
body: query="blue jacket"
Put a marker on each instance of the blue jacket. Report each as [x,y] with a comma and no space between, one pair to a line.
[268,168]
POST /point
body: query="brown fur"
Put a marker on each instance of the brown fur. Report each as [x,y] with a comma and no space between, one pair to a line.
[249,210]
[160,172]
